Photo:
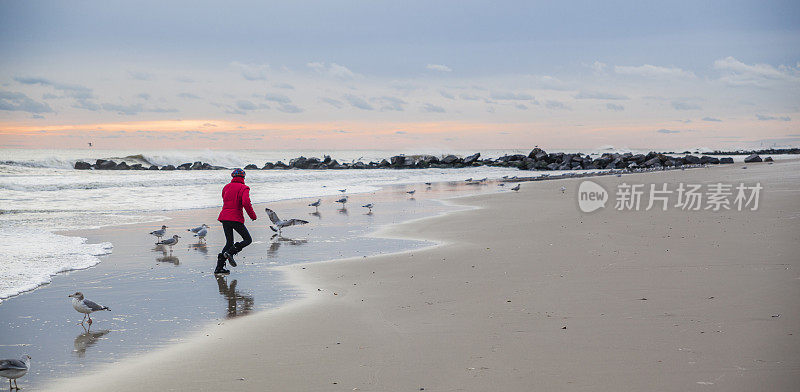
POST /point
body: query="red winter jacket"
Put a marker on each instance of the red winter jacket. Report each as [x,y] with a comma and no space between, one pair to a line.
[235,196]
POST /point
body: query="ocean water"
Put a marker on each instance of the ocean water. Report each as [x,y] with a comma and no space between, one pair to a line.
[41,195]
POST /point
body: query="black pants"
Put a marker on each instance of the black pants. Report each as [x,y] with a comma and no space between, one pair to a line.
[233,248]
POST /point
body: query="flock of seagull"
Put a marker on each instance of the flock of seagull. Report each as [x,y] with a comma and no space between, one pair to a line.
[16,368]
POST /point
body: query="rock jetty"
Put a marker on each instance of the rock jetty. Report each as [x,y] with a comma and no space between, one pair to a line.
[537,159]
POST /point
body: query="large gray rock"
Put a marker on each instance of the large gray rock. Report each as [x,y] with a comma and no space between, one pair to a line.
[450,159]
[691,160]
[472,158]
[81,165]
[705,159]
[251,167]
[185,166]
[652,162]
[752,158]
[268,166]
[168,167]
[726,160]
[102,164]
[398,160]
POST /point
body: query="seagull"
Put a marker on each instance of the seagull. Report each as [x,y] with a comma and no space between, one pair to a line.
[201,234]
[563,189]
[370,205]
[483,179]
[198,228]
[12,369]
[342,200]
[169,241]
[428,183]
[468,179]
[159,233]
[411,192]
[316,204]
[516,188]
[85,306]
[280,224]
[343,190]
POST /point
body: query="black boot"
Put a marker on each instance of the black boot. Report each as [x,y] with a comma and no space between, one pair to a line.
[229,255]
[221,268]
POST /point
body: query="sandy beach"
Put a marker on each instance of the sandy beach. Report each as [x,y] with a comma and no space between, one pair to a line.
[523,293]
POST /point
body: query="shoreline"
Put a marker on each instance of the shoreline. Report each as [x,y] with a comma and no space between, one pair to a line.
[313,354]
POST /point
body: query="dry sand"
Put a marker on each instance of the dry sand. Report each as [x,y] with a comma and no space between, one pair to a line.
[651,301]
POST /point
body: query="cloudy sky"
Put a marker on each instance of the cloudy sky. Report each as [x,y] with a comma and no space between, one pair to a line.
[399,74]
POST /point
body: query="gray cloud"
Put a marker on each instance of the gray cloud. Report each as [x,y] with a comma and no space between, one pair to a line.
[129,110]
[667,131]
[13,101]
[333,102]
[599,95]
[278,98]
[188,96]
[358,102]
[431,108]
[711,119]
[521,106]
[614,107]
[762,117]
[251,72]
[446,94]
[285,86]
[244,104]
[509,96]
[137,75]
[72,90]
[144,96]
[469,97]
[653,71]
[556,105]
[677,105]
[387,103]
[334,70]
[289,108]
[439,67]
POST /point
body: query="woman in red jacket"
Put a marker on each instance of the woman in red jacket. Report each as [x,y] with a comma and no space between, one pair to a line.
[235,196]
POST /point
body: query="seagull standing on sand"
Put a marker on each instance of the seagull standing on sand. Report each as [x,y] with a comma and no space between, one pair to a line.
[316,204]
[12,369]
[280,224]
[159,233]
[516,188]
[343,201]
[370,205]
[85,306]
[563,189]
[169,241]
[198,228]
[201,234]
[412,192]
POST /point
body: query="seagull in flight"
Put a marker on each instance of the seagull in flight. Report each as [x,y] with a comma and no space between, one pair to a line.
[343,190]
[370,205]
[516,188]
[159,233]
[12,369]
[316,204]
[280,224]
[85,306]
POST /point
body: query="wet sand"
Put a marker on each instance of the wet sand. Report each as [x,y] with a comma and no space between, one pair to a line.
[527,293]
[158,297]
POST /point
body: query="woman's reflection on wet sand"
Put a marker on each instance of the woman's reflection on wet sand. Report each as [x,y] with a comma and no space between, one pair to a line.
[87,339]
[238,304]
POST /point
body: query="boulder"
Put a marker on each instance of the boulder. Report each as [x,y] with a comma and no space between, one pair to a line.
[752,158]
[121,166]
[552,166]
[450,159]
[300,162]
[153,167]
[280,165]
[137,166]
[81,165]
[398,160]
[536,152]
[251,167]
[652,162]
[102,164]
[268,166]
[196,166]
[472,158]
[326,159]
[384,163]
[691,160]
[705,159]
[768,159]
[168,167]
[359,165]
[726,160]
[185,166]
